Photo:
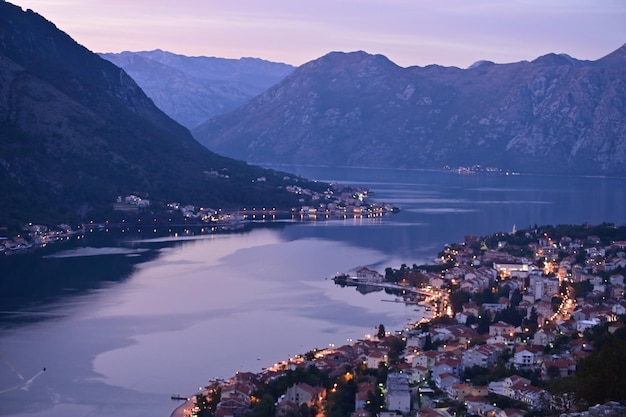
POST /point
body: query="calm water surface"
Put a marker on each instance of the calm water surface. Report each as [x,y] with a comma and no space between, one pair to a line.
[163,316]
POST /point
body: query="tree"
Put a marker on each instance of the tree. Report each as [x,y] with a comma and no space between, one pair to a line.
[471,321]
[556,302]
[504,290]
[202,403]
[428,343]
[304,411]
[340,400]
[581,289]
[532,321]
[381,331]
[396,346]
[389,274]
[383,371]
[486,296]
[602,376]
[553,372]
[265,407]
[375,401]
[272,390]
[484,321]
[457,299]
[509,315]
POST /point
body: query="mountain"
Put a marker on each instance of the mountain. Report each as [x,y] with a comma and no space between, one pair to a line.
[555,114]
[192,90]
[76,132]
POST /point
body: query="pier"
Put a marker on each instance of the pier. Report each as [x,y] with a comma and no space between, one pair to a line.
[351,280]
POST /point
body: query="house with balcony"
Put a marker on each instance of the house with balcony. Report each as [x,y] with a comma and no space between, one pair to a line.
[374,358]
[566,366]
[445,380]
[426,359]
[449,364]
[513,382]
[304,393]
[499,328]
[481,355]
[480,406]
[527,356]
[544,336]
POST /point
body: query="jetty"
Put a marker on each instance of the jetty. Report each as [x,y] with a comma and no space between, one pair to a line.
[353,281]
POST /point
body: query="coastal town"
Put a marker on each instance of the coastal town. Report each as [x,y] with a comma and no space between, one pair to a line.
[133,213]
[523,323]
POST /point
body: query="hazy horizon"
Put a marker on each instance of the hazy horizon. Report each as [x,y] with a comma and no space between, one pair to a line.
[451,33]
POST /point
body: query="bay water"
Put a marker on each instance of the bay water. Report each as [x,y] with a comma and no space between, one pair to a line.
[121,325]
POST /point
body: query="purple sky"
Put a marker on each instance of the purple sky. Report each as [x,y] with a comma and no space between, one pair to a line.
[409,32]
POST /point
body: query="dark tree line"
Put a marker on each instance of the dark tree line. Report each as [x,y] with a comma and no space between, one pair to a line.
[601,377]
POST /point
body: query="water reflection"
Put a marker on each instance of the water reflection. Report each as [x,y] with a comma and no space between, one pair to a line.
[31,282]
[121,331]
[198,309]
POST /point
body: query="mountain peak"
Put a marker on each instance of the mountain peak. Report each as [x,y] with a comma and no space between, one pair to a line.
[615,58]
[553,59]
[360,61]
[193,89]
[353,57]
[480,64]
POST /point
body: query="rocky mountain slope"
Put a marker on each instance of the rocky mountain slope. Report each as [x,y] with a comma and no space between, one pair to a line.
[76,132]
[555,114]
[192,90]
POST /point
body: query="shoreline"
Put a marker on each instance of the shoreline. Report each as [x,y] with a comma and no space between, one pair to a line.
[180,410]
[506,256]
[275,370]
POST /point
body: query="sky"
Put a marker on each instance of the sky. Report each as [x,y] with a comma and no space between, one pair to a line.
[409,32]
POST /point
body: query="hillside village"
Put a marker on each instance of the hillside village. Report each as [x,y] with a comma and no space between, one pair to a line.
[519,324]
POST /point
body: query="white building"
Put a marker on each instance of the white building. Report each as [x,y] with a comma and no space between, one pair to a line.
[511,270]
[364,274]
[398,394]
[544,288]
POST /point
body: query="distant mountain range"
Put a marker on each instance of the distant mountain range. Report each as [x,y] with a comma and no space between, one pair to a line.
[76,132]
[192,90]
[555,114]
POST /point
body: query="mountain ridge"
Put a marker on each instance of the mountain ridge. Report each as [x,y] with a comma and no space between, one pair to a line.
[192,90]
[76,132]
[555,114]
